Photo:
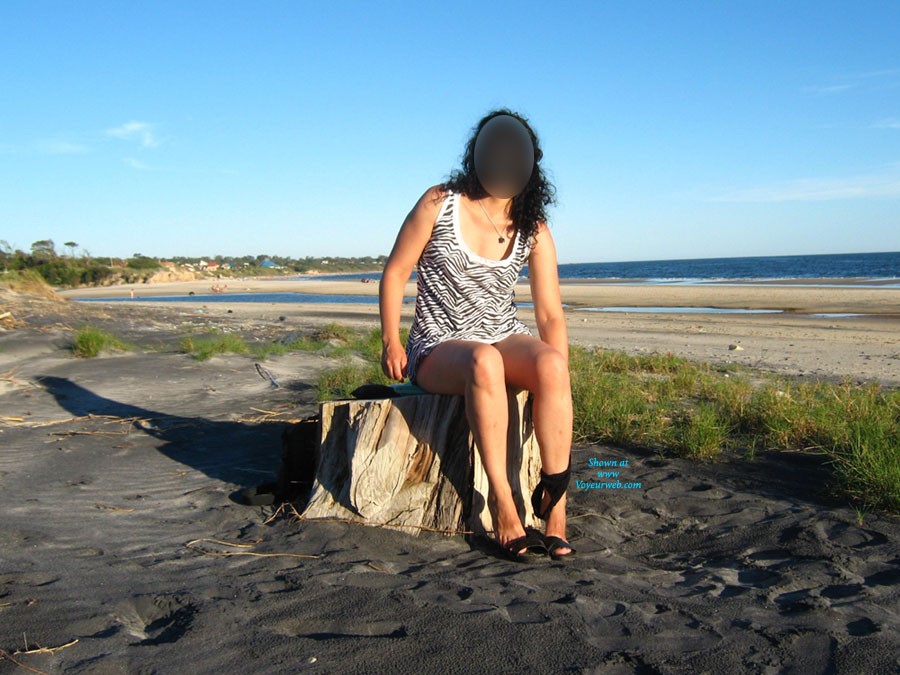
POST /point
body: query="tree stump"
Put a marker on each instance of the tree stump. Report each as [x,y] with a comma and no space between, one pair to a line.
[411,463]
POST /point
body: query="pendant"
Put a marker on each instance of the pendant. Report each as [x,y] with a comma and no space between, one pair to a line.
[501,240]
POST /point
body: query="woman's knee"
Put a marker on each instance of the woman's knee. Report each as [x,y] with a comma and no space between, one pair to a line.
[486,366]
[551,369]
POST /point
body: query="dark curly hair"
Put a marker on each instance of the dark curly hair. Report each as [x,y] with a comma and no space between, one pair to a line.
[529,207]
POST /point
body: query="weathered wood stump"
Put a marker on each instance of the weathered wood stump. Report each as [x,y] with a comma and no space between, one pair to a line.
[411,463]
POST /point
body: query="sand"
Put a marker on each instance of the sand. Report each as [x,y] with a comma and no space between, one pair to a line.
[117,475]
[791,297]
[804,339]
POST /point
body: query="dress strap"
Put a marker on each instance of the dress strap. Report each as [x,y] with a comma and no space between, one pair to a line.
[449,200]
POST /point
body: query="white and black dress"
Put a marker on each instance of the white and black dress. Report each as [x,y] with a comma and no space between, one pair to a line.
[461,295]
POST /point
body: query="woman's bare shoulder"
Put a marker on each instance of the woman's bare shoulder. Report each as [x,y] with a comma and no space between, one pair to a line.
[434,195]
[429,203]
[541,237]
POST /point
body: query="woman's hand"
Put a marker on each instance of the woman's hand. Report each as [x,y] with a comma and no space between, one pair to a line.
[393,361]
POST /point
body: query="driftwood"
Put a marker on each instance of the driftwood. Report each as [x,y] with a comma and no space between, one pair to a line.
[411,463]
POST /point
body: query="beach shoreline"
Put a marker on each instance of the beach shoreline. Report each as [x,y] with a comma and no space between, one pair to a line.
[829,333]
[576,293]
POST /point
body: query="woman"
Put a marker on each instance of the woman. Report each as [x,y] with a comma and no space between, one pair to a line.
[469,244]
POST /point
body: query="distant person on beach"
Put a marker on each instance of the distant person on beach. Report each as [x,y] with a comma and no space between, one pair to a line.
[469,238]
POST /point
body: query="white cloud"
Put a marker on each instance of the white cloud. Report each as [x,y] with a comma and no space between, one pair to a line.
[828,89]
[136,164]
[888,72]
[57,147]
[887,123]
[140,131]
[885,183]
[875,79]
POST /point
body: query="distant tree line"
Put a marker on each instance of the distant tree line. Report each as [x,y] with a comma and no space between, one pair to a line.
[68,269]
[56,269]
[257,263]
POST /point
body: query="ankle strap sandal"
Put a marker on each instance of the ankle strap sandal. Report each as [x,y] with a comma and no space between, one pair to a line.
[555,484]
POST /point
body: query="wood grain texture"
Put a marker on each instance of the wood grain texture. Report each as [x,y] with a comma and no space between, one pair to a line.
[411,463]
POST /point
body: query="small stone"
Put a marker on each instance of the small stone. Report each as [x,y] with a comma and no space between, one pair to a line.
[735,348]
[289,338]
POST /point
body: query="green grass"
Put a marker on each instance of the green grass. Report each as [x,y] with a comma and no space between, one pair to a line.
[29,282]
[694,410]
[90,341]
[334,340]
[337,383]
[202,347]
[700,410]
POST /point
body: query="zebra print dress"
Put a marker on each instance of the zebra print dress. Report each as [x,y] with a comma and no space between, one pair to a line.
[459,294]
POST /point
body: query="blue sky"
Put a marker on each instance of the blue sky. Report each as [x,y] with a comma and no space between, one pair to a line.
[671,130]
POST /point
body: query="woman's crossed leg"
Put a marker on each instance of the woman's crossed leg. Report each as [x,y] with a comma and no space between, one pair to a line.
[481,373]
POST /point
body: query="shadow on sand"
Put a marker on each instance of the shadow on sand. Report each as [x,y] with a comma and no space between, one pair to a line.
[240,453]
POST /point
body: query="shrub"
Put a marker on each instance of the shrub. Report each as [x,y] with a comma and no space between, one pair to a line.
[90,341]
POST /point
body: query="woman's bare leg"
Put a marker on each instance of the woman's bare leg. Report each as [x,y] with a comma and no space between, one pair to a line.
[538,367]
[475,370]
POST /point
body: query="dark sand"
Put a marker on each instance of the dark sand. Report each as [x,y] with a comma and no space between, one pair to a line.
[735,567]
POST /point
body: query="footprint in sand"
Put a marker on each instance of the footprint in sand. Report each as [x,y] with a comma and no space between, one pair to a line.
[889,577]
[796,602]
[841,591]
[33,579]
[771,559]
[849,535]
[710,491]
[330,630]
[862,627]
[156,619]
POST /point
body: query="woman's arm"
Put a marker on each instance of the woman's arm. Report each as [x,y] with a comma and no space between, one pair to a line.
[411,240]
[544,278]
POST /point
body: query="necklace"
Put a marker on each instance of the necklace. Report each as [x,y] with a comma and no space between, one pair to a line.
[500,237]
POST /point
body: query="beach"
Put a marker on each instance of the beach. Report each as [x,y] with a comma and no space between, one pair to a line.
[803,338]
[123,548]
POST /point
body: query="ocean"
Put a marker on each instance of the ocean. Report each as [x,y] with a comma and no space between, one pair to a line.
[861,270]
[878,268]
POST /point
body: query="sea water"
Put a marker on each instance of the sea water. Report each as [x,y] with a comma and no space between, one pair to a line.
[879,269]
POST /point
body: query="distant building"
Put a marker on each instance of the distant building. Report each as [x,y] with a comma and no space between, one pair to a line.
[269,265]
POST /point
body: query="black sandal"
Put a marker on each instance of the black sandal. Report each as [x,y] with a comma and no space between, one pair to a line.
[556,485]
[533,543]
[553,544]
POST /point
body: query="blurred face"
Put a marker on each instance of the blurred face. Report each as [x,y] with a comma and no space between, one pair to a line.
[504,157]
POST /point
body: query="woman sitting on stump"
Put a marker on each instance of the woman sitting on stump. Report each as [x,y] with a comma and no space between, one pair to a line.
[469,238]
